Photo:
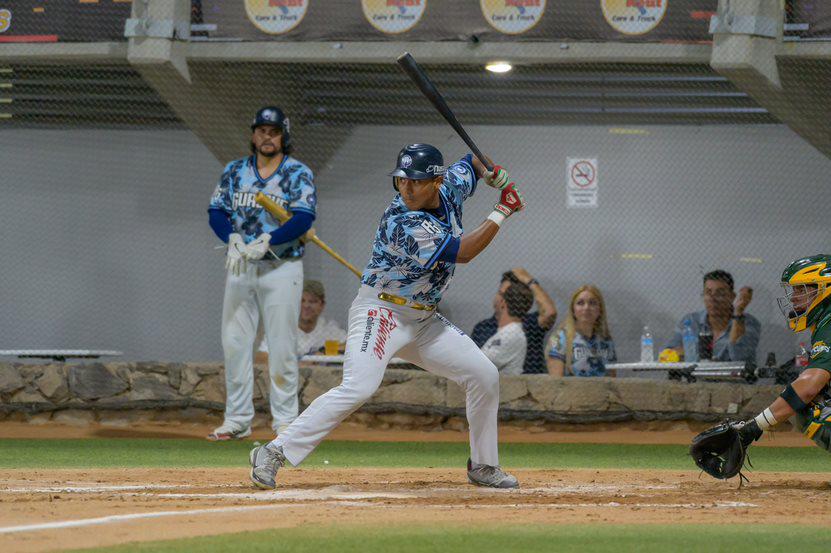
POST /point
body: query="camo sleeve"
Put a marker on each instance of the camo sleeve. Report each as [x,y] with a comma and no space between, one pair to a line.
[821,349]
[221,198]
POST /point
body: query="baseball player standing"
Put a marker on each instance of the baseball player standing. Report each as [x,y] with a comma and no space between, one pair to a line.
[417,245]
[265,271]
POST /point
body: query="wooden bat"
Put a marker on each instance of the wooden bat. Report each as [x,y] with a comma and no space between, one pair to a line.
[311,236]
[419,77]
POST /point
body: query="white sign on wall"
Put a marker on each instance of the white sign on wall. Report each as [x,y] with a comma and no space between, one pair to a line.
[581,182]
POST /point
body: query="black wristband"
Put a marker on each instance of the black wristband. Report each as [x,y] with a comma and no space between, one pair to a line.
[738,317]
[532,282]
[792,398]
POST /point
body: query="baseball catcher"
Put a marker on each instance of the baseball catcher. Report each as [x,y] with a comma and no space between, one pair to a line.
[721,451]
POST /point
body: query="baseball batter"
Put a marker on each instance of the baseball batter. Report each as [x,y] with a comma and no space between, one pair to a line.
[417,245]
[806,305]
[265,271]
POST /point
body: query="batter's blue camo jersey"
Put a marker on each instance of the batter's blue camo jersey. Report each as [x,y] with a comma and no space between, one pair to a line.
[405,255]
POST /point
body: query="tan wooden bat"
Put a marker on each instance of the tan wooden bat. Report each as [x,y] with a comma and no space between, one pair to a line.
[311,236]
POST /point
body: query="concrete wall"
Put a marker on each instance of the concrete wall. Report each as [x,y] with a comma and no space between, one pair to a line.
[106,243]
[29,390]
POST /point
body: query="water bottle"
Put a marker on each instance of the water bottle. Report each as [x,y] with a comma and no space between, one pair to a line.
[705,343]
[690,343]
[647,346]
[800,362]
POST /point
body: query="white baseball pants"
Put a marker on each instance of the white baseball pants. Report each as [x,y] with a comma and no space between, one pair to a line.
[270,290]
[378,331]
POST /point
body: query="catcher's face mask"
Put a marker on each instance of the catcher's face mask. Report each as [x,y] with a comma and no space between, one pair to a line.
[798,301]
[807,284]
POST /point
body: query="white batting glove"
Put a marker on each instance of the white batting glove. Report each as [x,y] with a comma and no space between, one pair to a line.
[255,250]
[498,178]
[234,260]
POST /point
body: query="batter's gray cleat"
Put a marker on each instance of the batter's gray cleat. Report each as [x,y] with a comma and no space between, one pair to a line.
[265,460]
[228,432]
[490,476]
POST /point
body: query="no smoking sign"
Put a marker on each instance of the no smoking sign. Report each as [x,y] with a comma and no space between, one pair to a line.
[581,182]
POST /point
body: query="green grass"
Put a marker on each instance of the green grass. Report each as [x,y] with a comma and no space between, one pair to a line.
[120,452]
[505,539]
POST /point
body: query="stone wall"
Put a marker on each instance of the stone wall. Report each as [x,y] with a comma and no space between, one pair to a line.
[198,389]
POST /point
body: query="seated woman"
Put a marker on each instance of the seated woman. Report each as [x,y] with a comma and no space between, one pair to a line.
[582,345]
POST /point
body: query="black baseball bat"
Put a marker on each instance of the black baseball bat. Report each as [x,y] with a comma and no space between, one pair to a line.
[419,77]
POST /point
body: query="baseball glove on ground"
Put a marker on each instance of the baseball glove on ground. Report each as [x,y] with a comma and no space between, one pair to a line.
[721,451]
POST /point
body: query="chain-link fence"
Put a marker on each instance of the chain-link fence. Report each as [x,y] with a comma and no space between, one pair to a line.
[640,176]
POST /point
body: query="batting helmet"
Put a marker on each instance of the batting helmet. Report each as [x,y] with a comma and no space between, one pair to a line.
[417,162]
[274,116]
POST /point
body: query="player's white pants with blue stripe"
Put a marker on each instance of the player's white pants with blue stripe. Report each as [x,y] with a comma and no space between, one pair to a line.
[271,291]
[378,331]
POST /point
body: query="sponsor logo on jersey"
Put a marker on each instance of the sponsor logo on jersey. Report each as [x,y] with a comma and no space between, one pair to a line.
[634,17]
[276,17]
[246,200]
[431,227]
[386,324]
[371,315]
[512,17]
[5,20]
[818,349]
[394,16]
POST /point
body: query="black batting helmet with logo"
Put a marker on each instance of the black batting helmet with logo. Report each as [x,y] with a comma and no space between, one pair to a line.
[274,116]
[417,162]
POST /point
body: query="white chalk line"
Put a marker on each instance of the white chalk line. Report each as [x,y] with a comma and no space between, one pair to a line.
[287,495]
[114,519]
[719,505]
[97,488]
[330,491]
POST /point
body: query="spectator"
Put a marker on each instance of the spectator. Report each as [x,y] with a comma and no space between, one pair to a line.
[735,334]
[583,345]
[535,324]
[506,349]
[315,329]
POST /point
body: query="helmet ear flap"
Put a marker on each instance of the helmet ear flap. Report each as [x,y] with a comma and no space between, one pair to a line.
[395,184]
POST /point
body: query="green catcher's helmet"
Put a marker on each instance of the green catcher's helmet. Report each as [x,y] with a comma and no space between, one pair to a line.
[807,284]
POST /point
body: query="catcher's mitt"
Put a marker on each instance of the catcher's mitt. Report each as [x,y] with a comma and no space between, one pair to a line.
[721,451]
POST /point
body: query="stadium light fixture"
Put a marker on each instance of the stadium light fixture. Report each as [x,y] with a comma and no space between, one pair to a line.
[499,67]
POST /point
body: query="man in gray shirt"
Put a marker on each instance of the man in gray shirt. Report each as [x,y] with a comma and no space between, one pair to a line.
[507,348]
[735,334]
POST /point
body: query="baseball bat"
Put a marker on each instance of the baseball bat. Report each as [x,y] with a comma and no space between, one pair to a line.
[419,77]
[311,236]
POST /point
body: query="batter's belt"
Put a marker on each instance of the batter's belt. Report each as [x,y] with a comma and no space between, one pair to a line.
[398,300]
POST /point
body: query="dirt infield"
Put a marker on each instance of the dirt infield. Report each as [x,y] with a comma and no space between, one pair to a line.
[44,510]
[62,509]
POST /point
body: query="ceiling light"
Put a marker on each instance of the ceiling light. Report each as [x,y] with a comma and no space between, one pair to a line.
[499,67]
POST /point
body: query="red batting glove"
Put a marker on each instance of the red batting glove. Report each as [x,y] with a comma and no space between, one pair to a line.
[510,201]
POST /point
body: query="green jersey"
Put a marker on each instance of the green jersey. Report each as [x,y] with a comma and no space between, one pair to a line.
[821,346]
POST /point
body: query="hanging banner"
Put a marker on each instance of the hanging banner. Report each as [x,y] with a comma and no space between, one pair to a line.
[62,20]
[813,15]
[379,20]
